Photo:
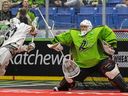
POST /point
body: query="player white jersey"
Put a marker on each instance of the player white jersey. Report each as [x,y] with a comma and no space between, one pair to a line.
[17,34]
[14,39]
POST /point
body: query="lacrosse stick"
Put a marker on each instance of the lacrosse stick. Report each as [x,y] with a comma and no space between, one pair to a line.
[35,24]
[69,67]
[49,28]
[33,39]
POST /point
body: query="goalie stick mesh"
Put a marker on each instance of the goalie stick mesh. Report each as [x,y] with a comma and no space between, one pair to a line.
[70,68]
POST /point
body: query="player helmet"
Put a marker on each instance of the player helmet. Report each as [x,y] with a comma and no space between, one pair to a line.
[14,22]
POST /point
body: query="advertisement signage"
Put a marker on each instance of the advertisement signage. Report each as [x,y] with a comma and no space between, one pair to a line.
[47,62]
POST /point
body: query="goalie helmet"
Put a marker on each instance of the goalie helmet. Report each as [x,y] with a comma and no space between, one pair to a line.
[86,23]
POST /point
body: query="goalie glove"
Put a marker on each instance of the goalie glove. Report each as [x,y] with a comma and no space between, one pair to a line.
[56,46]
[108,48]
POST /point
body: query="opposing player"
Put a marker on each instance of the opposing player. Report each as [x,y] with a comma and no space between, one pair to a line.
[13,43]
[92,50]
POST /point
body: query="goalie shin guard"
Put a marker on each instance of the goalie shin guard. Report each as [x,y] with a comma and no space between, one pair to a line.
[120,83]
[64,86]
[110,69]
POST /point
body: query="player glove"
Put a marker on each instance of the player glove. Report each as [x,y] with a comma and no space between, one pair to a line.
[31,47]
[56,46]
[35,22]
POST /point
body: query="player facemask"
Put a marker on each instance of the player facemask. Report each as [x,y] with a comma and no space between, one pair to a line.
[14,22]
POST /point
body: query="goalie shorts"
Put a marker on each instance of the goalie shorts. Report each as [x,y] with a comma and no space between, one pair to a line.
[96,70]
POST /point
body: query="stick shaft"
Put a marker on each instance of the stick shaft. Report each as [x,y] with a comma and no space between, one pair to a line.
[45,22]
[33,39]
[48,27]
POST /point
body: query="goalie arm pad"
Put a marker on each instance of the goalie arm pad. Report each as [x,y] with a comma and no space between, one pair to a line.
[114,46]
[108,49]
[56,46]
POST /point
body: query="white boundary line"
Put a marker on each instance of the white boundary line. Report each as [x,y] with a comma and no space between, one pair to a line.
[21,85]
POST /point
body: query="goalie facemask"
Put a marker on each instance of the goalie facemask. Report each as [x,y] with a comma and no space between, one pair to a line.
[85,27]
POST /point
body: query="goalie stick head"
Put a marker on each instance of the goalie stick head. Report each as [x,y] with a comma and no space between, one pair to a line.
[70,68]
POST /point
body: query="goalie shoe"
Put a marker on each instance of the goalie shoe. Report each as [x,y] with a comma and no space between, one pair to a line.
[64,86]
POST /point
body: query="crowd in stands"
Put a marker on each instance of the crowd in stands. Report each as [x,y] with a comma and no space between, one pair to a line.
[123,4]
[23,13]
[74,3]
[26,15]
[5,13]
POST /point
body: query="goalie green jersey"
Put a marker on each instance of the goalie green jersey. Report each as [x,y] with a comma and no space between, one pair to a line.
[87,50]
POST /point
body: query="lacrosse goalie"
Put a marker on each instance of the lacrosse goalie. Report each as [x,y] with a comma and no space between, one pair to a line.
[92,50]
[13,42]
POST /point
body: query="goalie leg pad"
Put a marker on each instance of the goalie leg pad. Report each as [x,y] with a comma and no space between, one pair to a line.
[113,73]
[110,69]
